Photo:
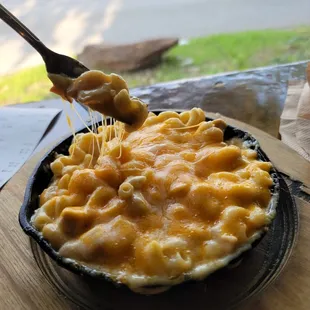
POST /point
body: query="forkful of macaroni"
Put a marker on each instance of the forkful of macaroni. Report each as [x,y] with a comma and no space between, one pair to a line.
[107,94]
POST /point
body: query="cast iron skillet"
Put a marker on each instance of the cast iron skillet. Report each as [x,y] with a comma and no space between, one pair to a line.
[41,177]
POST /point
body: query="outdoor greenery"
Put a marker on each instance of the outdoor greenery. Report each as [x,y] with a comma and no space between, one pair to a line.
[196,57]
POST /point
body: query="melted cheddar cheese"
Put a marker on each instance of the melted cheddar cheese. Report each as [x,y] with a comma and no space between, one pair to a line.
[168,201]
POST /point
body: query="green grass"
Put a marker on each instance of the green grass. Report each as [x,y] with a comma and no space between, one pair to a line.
[24,86]
[200,56]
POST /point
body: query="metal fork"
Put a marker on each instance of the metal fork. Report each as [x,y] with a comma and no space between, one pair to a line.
[54,62]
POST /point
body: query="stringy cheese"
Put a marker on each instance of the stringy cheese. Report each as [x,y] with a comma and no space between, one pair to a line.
[153,206]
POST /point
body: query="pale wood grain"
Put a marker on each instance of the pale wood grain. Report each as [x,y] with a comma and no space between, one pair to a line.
[22,286]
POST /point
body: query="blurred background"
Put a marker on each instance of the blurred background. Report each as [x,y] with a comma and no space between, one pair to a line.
[151,41]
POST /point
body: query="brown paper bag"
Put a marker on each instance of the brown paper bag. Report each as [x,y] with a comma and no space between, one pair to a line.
[295,118]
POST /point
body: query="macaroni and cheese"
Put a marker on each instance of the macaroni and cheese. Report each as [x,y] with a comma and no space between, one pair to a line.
[161,204]
[107,94]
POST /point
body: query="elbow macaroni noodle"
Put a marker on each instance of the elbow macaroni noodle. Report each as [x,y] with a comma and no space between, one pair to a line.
[168,200]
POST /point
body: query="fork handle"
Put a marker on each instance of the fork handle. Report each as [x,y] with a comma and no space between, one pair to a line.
[23,31]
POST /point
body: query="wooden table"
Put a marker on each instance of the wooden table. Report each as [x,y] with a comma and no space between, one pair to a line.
[22,285]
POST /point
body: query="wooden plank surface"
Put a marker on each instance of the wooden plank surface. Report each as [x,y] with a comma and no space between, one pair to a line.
[22,285]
